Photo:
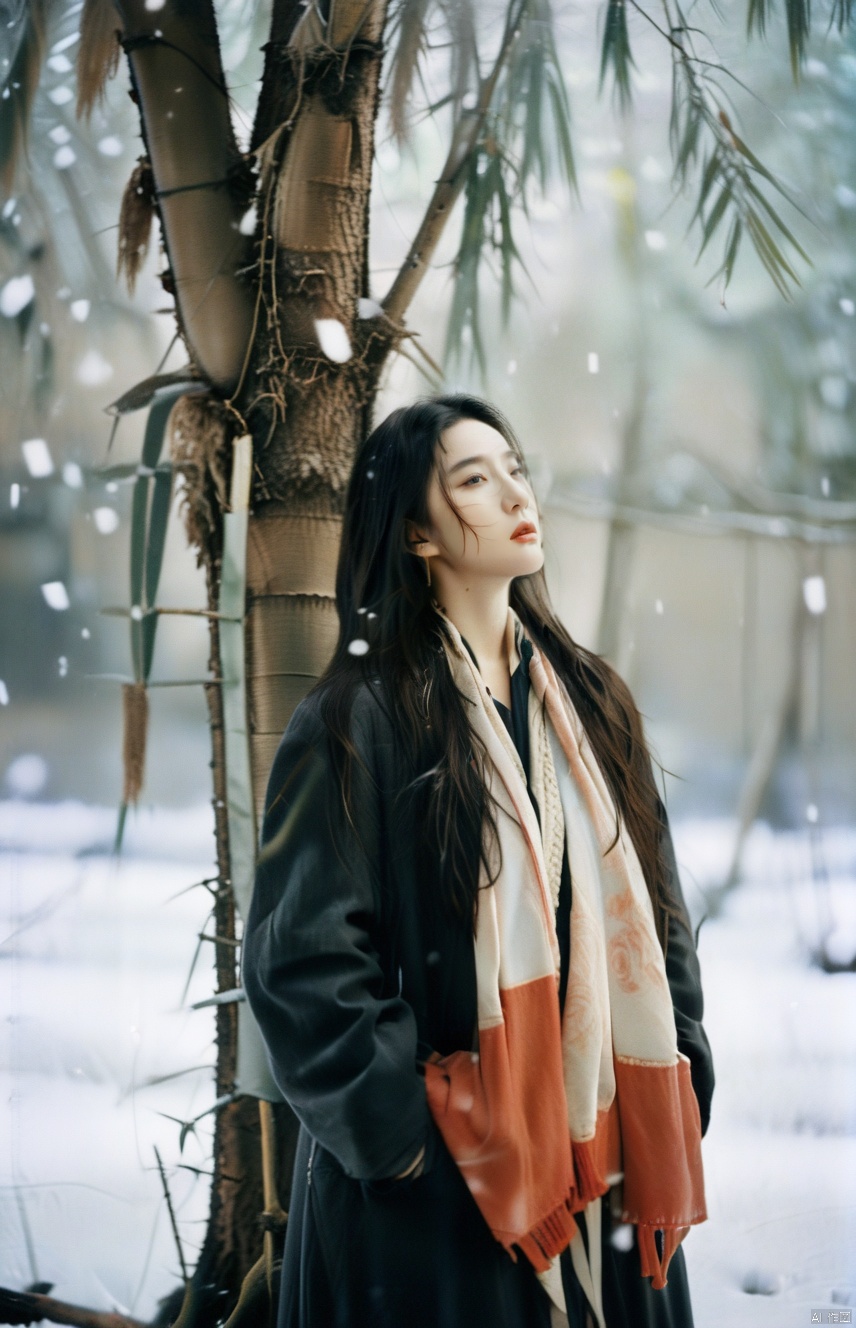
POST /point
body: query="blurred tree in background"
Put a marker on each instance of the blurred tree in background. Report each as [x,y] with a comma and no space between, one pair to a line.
[265,243]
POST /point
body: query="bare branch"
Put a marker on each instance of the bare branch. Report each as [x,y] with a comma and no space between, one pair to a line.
[173,1222]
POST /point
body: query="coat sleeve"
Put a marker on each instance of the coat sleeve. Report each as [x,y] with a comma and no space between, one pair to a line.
[684,975]
[342,1049]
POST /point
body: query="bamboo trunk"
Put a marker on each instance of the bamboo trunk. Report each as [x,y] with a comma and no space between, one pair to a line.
[306,414]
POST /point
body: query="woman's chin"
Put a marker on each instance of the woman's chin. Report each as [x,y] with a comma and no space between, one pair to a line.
[530,559]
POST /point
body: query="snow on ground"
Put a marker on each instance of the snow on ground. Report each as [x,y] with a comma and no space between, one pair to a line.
[94,955]
[780,1154]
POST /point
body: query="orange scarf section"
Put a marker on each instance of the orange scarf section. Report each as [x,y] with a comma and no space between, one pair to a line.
[548,1114]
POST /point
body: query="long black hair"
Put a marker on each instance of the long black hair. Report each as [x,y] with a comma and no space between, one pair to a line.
[391,638]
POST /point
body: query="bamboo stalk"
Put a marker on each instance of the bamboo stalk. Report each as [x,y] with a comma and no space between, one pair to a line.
[177,74]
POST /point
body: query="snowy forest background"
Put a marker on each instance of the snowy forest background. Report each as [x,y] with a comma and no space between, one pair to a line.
[696,456]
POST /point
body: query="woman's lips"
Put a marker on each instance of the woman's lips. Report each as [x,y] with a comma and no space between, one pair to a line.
[525,533]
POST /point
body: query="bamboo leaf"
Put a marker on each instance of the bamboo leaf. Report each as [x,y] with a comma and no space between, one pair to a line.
[763,236]
[149,514]
[689,141]
[120,828]
[764,254]
[161,495]
[756,17]
[715,216]
[799,25]
[712,170]
[615,51]
[777,221]
[464,71]
[562,125]
[762,170]
[139,517]
[534,158]
[731,250]
[404,61]
[143,393]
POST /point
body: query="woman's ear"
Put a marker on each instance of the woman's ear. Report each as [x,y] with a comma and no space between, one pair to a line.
[417,542]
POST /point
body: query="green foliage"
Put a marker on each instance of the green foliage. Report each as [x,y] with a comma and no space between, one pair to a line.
[730,198]
[798,16]
[615,51]
[487,229]
[407,41]
[526,139]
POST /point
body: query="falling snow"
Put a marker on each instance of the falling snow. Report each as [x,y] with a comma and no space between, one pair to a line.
[814,594]
[37,457]
[93,370]
[106,520]
[17,293]
[55,595]
[333,339]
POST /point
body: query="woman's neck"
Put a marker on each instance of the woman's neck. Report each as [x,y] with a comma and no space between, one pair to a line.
[480,613]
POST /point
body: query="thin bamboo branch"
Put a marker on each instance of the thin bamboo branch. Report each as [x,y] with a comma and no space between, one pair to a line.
[696,522]
[171,1212]
[116,611]
[465,139]
[275,1216]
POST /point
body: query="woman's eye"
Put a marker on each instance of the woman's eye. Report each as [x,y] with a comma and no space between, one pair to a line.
[473,478]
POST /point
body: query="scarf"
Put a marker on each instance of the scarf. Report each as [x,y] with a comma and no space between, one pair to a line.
[549,1113]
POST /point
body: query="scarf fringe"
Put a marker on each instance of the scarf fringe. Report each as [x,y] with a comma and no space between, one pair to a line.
[651,1264]
[589,1177]
[549,1237]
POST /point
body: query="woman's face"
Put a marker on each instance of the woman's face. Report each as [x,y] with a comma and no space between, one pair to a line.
[486,482]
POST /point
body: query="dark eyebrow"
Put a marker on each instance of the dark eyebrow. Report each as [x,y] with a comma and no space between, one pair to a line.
[469,461]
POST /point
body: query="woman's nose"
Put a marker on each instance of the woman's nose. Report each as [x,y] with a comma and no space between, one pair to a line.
[515,494]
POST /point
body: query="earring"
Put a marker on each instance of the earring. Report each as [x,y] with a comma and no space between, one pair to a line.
[419,545]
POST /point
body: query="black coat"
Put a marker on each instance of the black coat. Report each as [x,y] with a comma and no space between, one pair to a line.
[356,974]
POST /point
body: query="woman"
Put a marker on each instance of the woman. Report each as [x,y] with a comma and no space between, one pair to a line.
[468,951]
